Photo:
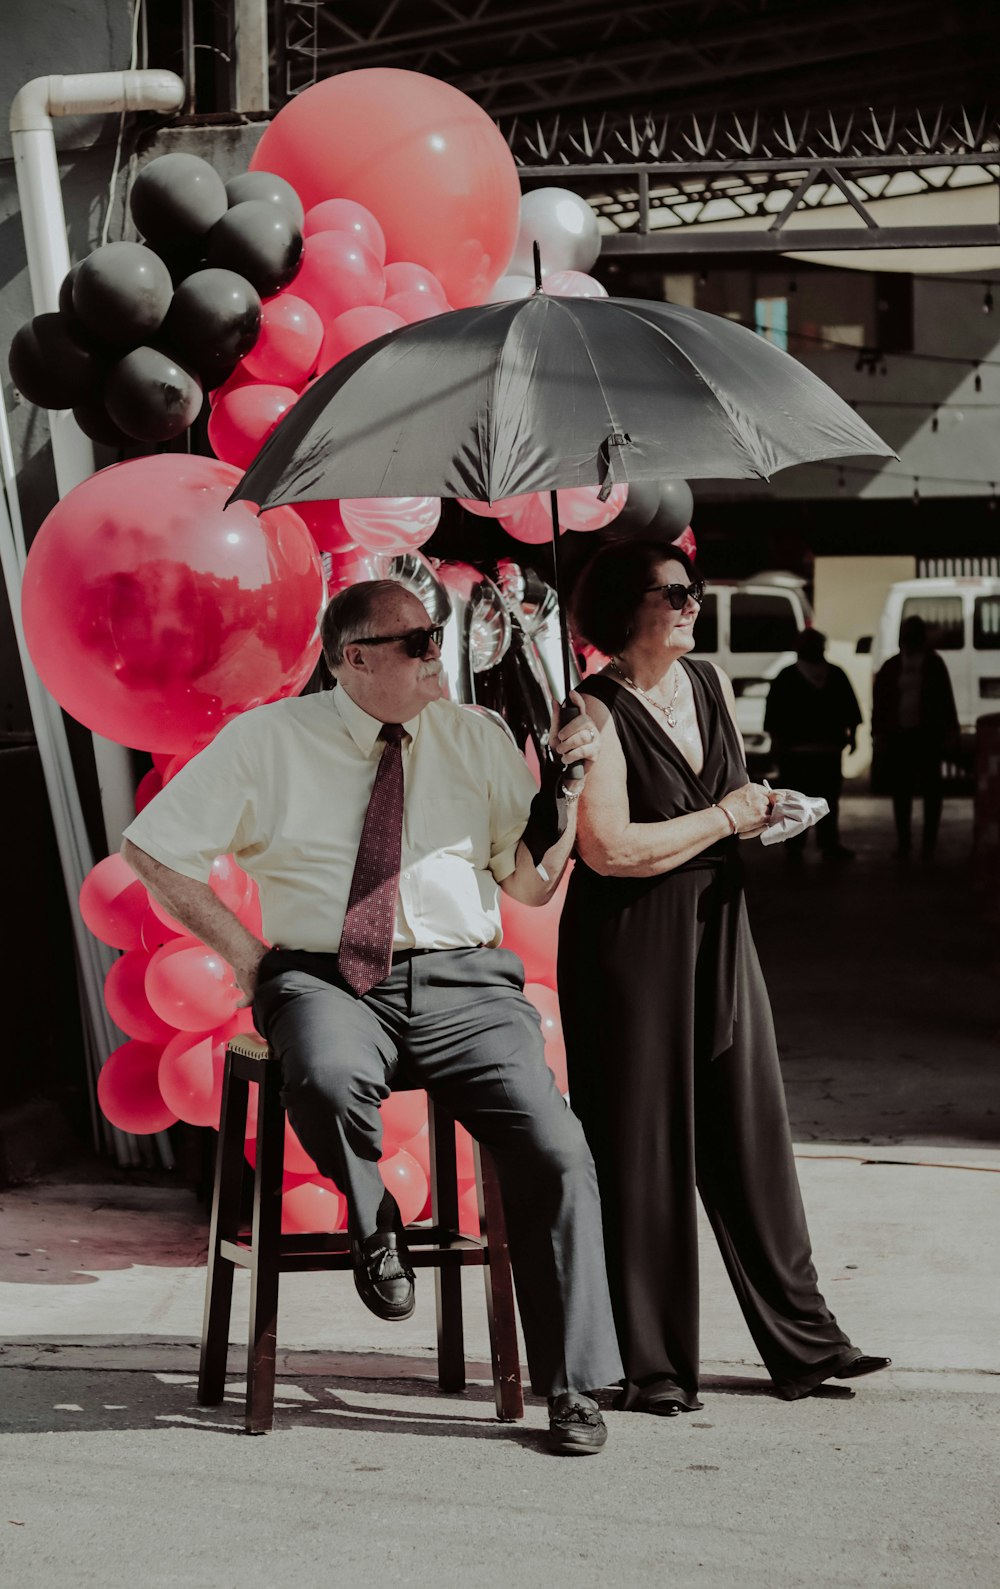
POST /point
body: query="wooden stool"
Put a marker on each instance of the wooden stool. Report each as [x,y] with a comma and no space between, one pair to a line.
[267,1253]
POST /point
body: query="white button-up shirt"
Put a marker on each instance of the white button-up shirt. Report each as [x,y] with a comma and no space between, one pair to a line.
[285,788]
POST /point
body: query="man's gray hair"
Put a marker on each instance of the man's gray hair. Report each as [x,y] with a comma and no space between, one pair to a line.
[350,616]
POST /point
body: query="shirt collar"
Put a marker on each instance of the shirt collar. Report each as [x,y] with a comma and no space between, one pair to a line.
[363,729]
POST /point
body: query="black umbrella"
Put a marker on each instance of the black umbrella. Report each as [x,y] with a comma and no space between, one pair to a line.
[547,392]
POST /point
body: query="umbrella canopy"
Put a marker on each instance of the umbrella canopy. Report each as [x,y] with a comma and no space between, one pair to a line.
[547,392]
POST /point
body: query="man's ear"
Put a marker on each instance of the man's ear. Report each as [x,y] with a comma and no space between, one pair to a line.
[354,658]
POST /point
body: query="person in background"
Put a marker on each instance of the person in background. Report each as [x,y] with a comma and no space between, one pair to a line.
[812,714]
[914,723]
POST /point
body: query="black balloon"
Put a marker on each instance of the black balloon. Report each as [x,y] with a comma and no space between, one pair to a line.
[213,320]
[95,422]
[151,397]
[269,187]
[52,365]
[66,292]
[177,196]
[643,501]
[676,504]
[182,256]
[122,293]
[259,241]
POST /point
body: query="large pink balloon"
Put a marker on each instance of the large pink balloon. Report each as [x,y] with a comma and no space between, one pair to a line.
[113,903]
[403,1115]
[154,614]
[404,276]
[128,1089]
[530,520]
[407,1182]
[288,343]
[580,507]
[533,932]
[190,1077]
[343,215]
[230,883]
[338,273]
[390,524]
[190,986]
[308,1208]
[128,1006]
[352,329]
[241,422]
[413,306]
[546,1002]
[423,157]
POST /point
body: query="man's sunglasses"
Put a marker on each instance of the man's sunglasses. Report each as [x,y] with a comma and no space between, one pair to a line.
[677,595]
[415,642]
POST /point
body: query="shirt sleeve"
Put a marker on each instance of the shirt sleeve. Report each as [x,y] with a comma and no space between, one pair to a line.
[512,789]
[209,808]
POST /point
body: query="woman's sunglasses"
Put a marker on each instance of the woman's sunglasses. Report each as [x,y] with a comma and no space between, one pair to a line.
[677,595]
[415,642]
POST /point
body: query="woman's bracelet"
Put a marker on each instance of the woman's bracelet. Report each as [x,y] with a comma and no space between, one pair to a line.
[728,816]
[571,792]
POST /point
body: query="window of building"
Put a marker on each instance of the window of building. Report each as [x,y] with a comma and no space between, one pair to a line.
[771,320]
[762,623]
[986,623]
[943,617]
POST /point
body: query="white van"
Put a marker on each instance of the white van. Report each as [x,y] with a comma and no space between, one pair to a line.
[962,614]
[751,627]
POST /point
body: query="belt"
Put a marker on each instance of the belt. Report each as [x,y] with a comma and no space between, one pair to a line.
[402,955]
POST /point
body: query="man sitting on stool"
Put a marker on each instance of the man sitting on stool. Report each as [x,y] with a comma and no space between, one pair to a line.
[379,820]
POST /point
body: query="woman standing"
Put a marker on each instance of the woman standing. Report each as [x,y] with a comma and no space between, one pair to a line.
[673,1067]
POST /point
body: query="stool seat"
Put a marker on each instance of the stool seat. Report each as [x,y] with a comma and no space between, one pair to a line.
[267,1252]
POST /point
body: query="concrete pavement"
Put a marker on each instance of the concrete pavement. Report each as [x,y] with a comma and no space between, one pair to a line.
[885,1000]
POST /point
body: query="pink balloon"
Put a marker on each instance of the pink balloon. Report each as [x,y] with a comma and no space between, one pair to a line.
[154,614]
[155,932]
[297,1159]
[230,883]
[465,1156]
[338,273]
[546,1002]
[148,788]
[533,933]
[425,159]
[580,507]
[113,903]
[419,1147]
[309,1208]
[413,306]
[287,347]
[574,284]
[481,510]
[343,215]
[404,276]
[403,1114]
[241,423]
[190,986]
[530,521]
[128,1090]
[468,1213]
[390,524]
[352,329]
[407,1182]
[240,377]
[288,1179]
[687,542]
[127,1004]
[190,1077]
[348,567]
[325,525]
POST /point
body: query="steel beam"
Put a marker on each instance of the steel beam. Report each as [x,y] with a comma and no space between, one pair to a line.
[669,241]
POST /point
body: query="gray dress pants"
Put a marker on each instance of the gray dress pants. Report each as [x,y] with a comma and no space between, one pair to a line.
[456,1022]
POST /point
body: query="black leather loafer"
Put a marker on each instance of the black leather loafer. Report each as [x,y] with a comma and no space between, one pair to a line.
[383,1276]
[576,1428]
[862,1365]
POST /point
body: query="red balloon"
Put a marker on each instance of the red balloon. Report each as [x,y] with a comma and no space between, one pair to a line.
[343,215]
[190,986]
[287,347]
[419,1147]
[190,1078]
[113,903]
[481,510]
[413,306]
[528,518]
[325,525]
[308,1208]
[390,524]
[148,788]
[425,159]
[128,1006]
[533,933]
[128,1090]
[154,614]
[403,1114]
[241,422]
[546,1002]
[352,329]
[687,542]
[404,276]
[240,377]
[407,1182]
[338,273]
[230,883]
[580,507]
[156,932]
[297,1159]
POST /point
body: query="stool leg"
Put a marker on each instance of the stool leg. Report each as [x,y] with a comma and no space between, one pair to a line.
[447,1280]
[499,1291]
[224,1227]
[266,1265]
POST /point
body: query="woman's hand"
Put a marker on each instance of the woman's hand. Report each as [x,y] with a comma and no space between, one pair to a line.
[750,809]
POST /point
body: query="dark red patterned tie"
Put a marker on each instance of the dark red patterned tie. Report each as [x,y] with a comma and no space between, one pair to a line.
[365,955]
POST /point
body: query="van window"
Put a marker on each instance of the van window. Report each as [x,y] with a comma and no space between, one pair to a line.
[943,617]
[762,623]
[986,623]
[706,629]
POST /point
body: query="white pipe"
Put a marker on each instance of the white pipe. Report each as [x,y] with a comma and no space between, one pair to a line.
[44,222]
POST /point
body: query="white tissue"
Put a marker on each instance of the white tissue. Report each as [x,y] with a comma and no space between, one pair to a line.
[792,813]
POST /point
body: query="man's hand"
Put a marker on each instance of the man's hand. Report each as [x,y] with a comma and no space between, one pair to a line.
[579,740]
[245,969]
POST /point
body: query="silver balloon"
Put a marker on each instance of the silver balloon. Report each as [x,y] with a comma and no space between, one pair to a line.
[508,288]
[565,228]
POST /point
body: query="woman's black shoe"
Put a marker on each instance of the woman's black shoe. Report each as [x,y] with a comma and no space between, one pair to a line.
[383,1277]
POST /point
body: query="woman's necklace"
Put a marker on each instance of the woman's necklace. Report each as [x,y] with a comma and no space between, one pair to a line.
[668,710]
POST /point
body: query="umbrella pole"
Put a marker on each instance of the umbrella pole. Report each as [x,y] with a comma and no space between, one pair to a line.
[563,622]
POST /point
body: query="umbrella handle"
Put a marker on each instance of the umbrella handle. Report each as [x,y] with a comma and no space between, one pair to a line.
[576,770]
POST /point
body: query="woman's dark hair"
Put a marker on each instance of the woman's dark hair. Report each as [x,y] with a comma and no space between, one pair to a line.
[609,592]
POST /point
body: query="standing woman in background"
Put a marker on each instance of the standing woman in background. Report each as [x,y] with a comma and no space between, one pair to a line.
[673,1067]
